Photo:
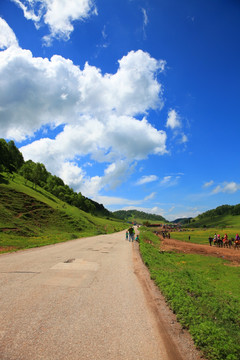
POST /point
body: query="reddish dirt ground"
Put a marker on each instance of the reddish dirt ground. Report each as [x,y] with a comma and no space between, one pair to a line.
[233,255]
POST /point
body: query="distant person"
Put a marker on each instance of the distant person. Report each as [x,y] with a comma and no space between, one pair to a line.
[137,238]
[210,239]
[131,233]
[126,235]
[215,239]
[189,238]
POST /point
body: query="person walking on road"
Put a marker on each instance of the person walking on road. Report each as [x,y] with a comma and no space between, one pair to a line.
[126,235]
[131,233]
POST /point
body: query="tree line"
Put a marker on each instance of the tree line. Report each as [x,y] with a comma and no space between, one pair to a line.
[128,214]
[11,161]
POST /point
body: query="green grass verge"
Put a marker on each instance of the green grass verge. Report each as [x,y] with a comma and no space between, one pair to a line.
[33,217]
[204,294]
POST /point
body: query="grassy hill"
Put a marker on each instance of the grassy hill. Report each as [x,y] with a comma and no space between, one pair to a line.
[221,217]
[33,217]
[138,216]
[218,221]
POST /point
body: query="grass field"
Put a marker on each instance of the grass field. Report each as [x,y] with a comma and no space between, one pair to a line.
[200,236]
[33,217]
[204,292]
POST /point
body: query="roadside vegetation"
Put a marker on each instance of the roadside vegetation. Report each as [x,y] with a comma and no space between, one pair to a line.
[202,291]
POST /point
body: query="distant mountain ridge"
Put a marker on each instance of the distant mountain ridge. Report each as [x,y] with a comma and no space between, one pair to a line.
[136,214]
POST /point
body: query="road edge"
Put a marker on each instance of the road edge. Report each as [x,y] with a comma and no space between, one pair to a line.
[177,341]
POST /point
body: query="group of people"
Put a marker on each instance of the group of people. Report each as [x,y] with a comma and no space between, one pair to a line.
[224,241]
[130,235]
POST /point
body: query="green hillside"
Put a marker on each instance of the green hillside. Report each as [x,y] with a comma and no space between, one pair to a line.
[31,217]
[138,216]
[221,217]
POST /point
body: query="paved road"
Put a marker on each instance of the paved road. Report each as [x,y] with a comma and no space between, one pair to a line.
[76,300]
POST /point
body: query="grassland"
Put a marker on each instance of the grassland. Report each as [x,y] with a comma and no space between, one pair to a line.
[33,217]
[200,236]
[203,292]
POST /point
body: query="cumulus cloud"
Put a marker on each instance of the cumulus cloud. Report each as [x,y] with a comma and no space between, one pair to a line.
[146,179]
[39,91]
[173,120]
[7,36]
[97,113]
[227,187]
[59,15]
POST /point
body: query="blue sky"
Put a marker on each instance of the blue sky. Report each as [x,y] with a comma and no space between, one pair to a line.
[136,105]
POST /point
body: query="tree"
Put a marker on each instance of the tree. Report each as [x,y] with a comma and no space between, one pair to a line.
[27,170]
[15,156]
[4,155]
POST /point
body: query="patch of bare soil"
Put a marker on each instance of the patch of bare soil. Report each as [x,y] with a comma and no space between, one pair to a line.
[233,255]
[4,249]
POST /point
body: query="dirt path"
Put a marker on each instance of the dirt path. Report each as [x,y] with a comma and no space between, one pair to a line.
[189,248]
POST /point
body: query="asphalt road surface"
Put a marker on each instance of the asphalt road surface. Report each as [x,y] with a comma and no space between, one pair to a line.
[82,299]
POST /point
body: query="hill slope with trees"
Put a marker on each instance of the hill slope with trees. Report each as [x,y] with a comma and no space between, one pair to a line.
[140,216]
[31,217]
[36,175]
[224,215]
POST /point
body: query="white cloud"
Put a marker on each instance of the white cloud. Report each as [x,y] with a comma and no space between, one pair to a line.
[145,21]
[145,17]
[131,203]
[227,187]
[7,36]
[111,200]
[113,176]
[183,214]
[166,180]
[173,120]
[170,180]
[150,196]
[184,139]
[71,174]
[59,15]
[208,184]
[96,111]
[146,179]
[39,91]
